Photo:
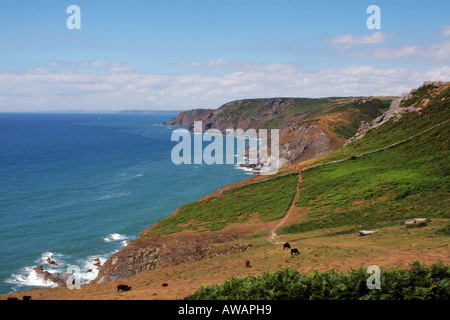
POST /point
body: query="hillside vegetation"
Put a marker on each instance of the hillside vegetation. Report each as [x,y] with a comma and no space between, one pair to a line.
[418,282]
[408,180]
[267,201]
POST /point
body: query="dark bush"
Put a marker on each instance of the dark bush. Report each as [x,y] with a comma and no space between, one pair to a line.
[419,282]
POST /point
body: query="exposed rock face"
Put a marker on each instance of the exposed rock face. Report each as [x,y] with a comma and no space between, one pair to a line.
[59,278]
[148,253]
[187,118]
[297,142]
[398,107]
[308,141]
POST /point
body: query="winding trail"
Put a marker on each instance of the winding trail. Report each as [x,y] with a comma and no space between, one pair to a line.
[273,235]
[272,239]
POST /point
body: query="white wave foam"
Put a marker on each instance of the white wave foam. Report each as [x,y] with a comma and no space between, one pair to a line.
[115,237]
[88,268]
[50,256]
[28,277]
[247,170]
[112,196]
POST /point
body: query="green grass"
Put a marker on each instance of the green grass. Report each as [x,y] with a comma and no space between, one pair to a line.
[410,180]
[418,95]
[391,132]
[418,282]
[269,200]
[361,112]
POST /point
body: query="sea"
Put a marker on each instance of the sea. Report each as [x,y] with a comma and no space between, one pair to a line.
[77,187]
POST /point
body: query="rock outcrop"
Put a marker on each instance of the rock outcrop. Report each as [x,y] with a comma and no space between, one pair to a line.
[59,278]
[408,102]
[148,253]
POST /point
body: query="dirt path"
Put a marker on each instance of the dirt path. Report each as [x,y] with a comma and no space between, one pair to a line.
[272,239]
[330,116]
[273,235]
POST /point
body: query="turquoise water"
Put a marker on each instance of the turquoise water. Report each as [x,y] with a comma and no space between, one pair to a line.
[74,187]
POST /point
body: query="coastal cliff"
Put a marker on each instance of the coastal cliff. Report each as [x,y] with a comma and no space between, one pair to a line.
[308,128]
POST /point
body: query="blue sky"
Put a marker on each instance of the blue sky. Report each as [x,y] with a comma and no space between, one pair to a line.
[183,54]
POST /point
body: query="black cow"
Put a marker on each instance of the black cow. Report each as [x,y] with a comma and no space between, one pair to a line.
[286,246]
[123,287]
[294,251]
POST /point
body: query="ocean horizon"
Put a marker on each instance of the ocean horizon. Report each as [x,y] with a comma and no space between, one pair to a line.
[77,186]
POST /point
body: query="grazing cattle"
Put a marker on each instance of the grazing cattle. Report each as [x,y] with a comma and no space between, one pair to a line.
[123,287]
[164,284]
[294,251]
[26,297]
[247,263]
[286,246]
[12,298]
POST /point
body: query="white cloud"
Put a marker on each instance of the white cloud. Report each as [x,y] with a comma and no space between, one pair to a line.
[348,40]
[238,65]
[92,64]
[434,53]
[445,30]
[115,90]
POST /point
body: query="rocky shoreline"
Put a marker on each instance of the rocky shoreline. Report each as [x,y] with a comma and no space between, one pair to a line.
[61,278]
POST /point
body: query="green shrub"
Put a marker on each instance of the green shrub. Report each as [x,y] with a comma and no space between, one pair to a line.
[419,282]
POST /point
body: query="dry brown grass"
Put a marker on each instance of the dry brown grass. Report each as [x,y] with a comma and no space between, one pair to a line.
[319,250]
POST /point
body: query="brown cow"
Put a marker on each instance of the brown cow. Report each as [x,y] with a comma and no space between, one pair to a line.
[123,287]
[286,246]
[247,263]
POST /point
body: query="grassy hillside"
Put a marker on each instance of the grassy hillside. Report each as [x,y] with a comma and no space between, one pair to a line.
[356,112]
[284,112]
[406,181]
[268,200]
[379,189]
